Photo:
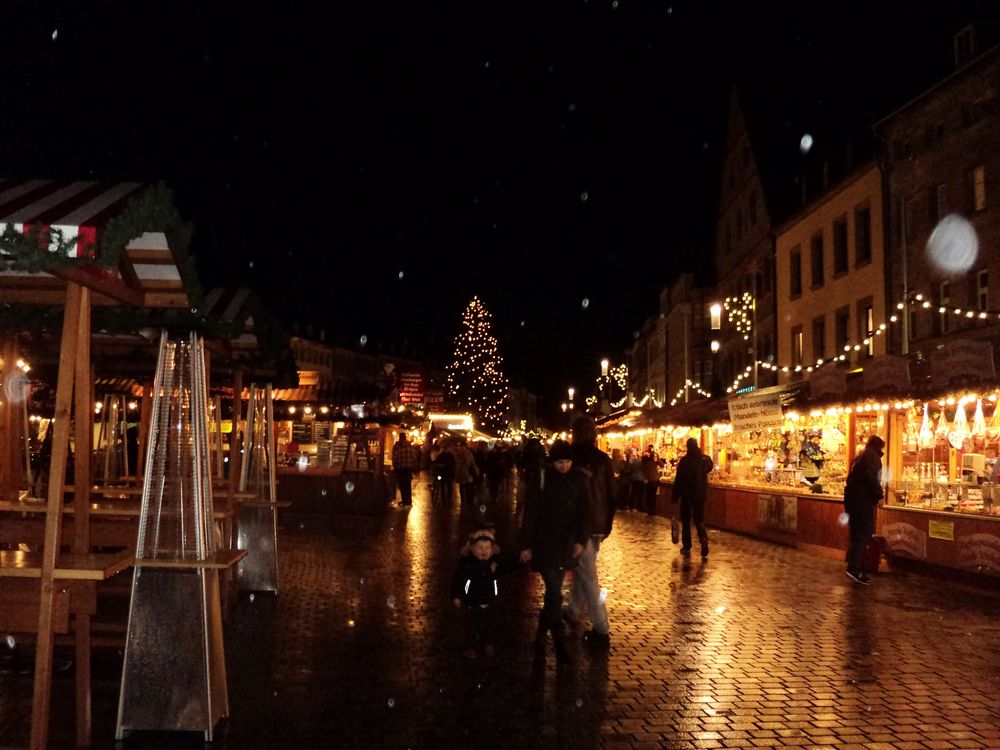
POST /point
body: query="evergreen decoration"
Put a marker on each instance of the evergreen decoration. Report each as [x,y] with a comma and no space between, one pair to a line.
[476,382]
[151,210]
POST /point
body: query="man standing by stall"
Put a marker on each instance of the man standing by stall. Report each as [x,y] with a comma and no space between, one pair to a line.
[861,497]
[404,461]
[691,489]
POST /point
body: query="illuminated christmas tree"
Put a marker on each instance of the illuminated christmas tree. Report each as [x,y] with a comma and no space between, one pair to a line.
[476,382]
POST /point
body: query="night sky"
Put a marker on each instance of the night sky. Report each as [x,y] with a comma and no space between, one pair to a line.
[537,154]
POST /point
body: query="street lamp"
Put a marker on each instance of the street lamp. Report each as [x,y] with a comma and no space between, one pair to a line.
[571,390]
[715,346]
[716,312]
[564,407]
[604,368]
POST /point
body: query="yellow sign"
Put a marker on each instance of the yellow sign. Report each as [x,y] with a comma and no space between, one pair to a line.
[941,530]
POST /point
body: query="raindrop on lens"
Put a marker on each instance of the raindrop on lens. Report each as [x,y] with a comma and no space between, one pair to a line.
[603,595]
[251,597]
[11,643]
[392,702]
[364,340]
[349,487]
[586,303]
[55,34]
[522,324]
[843,518]
[806,143]
[303,463]
[584,196]
[302,525]
[400,275]
[323,492]
[251,265]
[482,508]
[579,702]
[635,334]
[953,245]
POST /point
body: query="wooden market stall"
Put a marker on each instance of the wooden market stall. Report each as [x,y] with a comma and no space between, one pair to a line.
[77,245]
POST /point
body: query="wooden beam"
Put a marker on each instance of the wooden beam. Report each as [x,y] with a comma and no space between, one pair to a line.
[145,414]
[7,434]
[53,527]
[84,432]
[103,281]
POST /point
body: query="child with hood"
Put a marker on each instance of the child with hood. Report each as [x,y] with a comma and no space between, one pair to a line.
[475,589]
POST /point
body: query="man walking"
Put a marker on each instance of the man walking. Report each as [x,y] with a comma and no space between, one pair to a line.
[585,595]
[861,497]
[404,461]
[691,488]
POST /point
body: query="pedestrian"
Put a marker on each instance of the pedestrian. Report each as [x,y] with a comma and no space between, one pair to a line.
[443,473]
[555,532]
[862,494]
[405,460]
[465,471]
[532,464]
[476,591]
[691,488]
[585,593]
[651,475]
[637,480]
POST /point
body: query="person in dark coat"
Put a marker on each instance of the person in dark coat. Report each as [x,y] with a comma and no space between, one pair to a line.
[585,594]
[861,497]
[555,531]
[691,488]
[475,589]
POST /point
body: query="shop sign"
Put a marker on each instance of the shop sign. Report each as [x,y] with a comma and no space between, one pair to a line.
[941,530]
[905,539]
[308,377]
[828,381]
[434,400]
[962,360]
[979,552]
[411,387]
[777,512]
[887,372]
[755,413]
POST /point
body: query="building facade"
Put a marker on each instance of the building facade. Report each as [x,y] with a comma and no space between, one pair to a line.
[830,269]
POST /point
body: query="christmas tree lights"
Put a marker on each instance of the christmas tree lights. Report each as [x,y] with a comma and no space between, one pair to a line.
[476,382]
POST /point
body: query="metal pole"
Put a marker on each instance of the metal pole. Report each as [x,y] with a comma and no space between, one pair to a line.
[753,309]
[906,293]
[687,375]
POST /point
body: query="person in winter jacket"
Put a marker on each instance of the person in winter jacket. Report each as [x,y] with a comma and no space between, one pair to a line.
[475,589]
[465,471]
[861,497]
[691,488]
[585,594]
[555,531]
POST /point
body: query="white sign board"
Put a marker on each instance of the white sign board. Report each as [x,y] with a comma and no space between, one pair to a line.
[754,413]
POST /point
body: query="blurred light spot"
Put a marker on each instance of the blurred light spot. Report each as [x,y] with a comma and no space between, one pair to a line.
[953,246]
[350,623]
[55,34]
[349,487]
[11,643]
[843,518]
[400,275]
[482,508]
[584,196]
[720,609]
[391,601]
[303,463]
[579,702]
[251,596]
[392,702]
[323,492]
[586,303]
[602,596]
[806,143]
[364,340]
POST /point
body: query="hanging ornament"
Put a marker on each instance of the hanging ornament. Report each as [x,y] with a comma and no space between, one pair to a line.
[926,435]
[979,421]
[941,432]
[960,429]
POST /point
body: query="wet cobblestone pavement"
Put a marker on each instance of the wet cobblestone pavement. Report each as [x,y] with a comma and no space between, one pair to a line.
[758,646]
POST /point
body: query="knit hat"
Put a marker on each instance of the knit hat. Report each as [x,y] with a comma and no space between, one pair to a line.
[561,451]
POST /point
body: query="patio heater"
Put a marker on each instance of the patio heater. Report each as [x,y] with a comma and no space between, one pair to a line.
[111,451]
[257,523]
[174,673]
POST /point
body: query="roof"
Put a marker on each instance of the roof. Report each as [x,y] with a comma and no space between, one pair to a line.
[124,240]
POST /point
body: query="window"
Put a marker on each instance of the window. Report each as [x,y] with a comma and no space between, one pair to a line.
[983,289]
[944,314]
[866,326]
[841,322]
[937,203]
[862,235]
[795,273]
[819,338]
[797,346]
[840,246]
[979,188]
[816,261]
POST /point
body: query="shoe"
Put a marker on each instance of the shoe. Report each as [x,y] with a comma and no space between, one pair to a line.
[596,640]
[686,551]
[859,577]
[704,549]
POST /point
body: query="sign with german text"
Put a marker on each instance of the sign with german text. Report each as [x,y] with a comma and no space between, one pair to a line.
[828,381]
[941,530]
[411,387]
[755,413]
[885,373]
[962,360]
[434,400]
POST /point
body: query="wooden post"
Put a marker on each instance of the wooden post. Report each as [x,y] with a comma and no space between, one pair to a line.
[9,462]
[53,517]
[84,431]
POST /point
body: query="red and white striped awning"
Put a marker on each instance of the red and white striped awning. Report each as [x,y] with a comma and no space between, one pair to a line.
[147,275]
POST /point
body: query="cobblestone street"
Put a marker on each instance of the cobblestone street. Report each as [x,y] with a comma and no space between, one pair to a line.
[758,646]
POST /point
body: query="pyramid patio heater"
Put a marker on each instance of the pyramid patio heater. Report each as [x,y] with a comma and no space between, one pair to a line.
[174,673]
[257,522]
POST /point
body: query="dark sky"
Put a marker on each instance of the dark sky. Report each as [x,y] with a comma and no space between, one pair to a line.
[536,153]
